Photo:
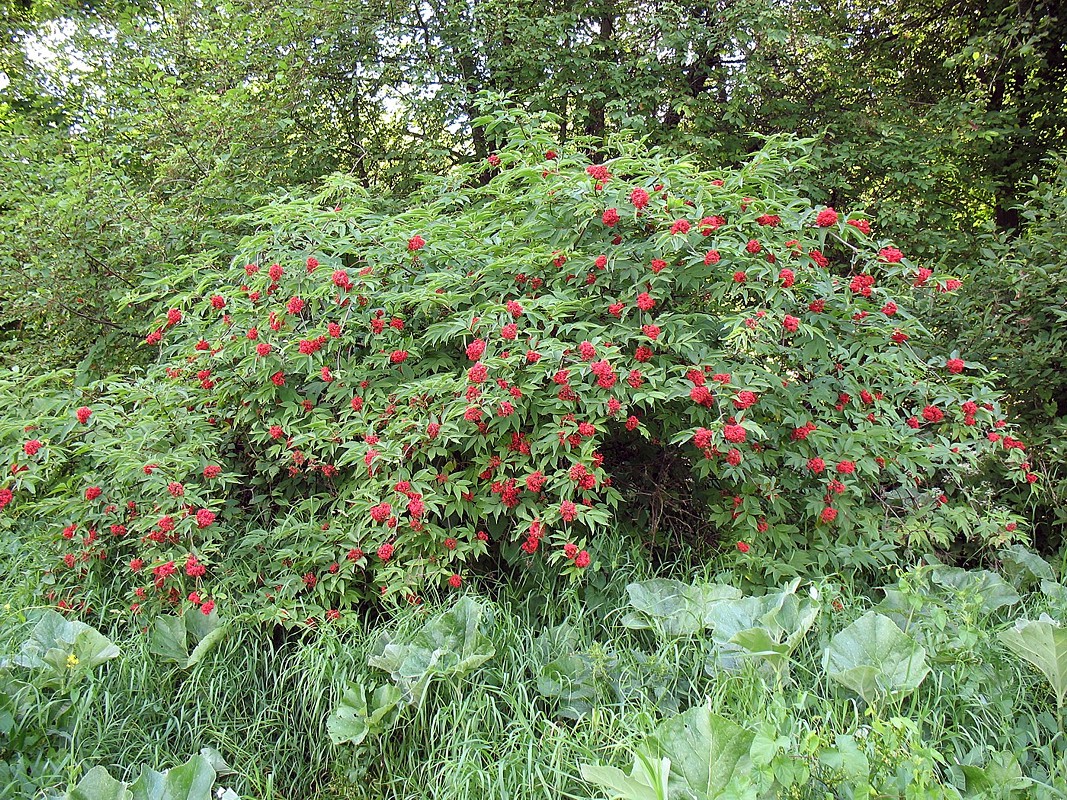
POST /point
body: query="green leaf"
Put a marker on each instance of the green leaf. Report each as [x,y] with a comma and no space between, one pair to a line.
[1001,777]
[706,752]
[99,785]
[768,627]
[847,758]
[875,659]
[171,637]
[990,588]
[1024,567]
[673,608]
[357,717]
[570,679]
[648,779]
[1044,644]
[168,639]
[64,649]
[451,645]
[190,781]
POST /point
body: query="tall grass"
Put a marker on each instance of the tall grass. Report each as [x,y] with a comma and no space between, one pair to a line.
[262,699]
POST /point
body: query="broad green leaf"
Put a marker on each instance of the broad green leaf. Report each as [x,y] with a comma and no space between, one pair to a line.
[672,607]
[451,645]
[99,785]
[768,627]
[875,659]
[172,637]
[706,752]
[570,680]
[168,639]
[356,717]
[1001,777]
[648,779]
[1043,643]
[847,758]
[348,723]
[190,781]
[1024,567]
[993,591]
[64,649]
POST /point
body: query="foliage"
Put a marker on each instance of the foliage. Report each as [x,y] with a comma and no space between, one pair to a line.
[267,706]
[450,646]
[190,781]
[1044,644]
[40,689]
[1011,315]
[701,753]
[63,651]
[172,637]
[673,608]
[766,628]
[395,396]
[873,658]
[362,713]
[605,356]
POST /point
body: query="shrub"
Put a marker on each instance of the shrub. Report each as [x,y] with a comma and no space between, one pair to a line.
[365,404]
[1012,318]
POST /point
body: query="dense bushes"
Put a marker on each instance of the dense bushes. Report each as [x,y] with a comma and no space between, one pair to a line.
[365,404]
[1011,316]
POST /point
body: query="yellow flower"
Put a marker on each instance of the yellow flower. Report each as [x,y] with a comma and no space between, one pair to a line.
[72,661]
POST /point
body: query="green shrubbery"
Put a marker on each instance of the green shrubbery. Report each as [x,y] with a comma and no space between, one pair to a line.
[367,404]
[1011,316]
